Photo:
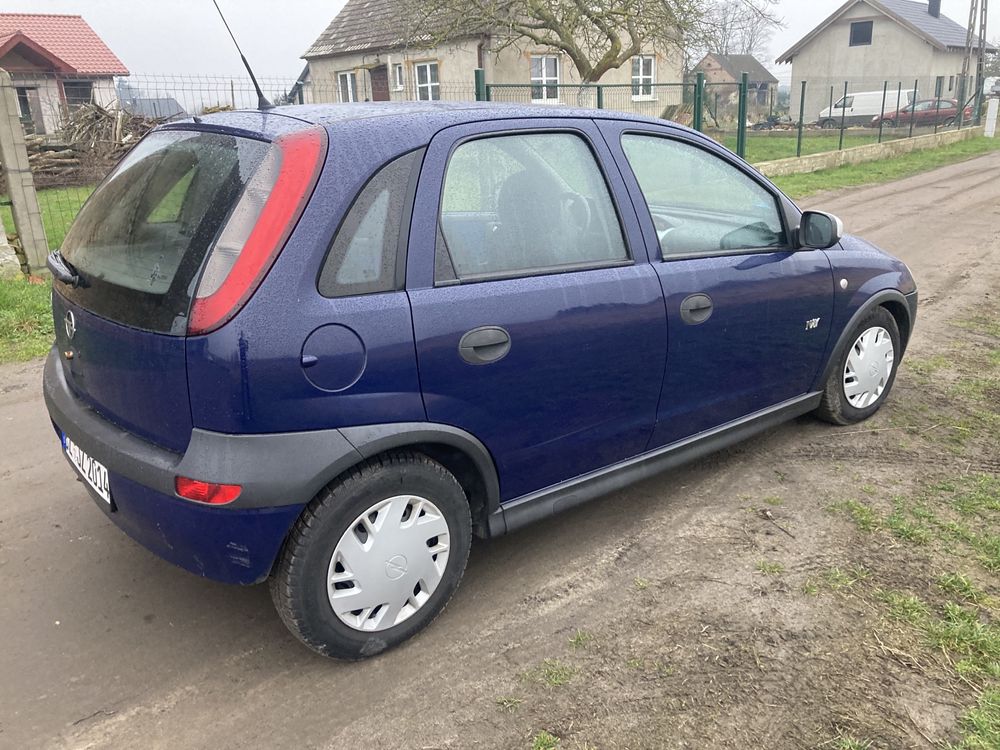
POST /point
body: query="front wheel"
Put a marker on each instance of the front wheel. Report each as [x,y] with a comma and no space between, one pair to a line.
[864,372]
[375,557]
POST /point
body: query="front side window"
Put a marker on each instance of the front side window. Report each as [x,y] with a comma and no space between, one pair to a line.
[348,87]
[700,204]
[544,78]
[845,103]
[861,33]
[642,76]
[525,204]
[428,85]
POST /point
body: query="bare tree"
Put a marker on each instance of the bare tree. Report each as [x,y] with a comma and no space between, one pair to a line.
[736,27]
[597,35]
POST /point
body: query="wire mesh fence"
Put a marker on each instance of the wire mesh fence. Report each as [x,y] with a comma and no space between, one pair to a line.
[77,128]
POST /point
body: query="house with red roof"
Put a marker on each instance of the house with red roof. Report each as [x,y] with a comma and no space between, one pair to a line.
[57,62]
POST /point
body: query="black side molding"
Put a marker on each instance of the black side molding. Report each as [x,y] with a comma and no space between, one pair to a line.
[548,502]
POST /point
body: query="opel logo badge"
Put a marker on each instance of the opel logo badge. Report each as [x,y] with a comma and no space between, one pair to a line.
[395,567]
[70,324]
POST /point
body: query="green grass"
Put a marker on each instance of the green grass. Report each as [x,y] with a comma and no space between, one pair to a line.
[770,568]
[25,320]
[544,741]
[580,639]
[884,170]
[761,147]
[59,207]
[862,515]
[846,742]
[981,724]
[552,673]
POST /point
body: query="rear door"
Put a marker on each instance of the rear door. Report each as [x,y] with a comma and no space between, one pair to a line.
[138,245]
[539,322]
[748,317]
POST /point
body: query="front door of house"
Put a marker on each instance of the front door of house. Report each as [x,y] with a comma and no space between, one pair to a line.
[380,84]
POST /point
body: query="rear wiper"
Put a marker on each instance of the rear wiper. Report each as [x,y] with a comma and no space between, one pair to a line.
[62,269]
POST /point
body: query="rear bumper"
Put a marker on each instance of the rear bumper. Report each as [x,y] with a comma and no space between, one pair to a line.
[236,543]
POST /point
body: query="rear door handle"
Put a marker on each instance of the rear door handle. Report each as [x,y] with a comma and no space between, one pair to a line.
[696,309]
[484,345]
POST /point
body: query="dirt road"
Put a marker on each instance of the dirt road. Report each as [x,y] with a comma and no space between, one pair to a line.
[682,612]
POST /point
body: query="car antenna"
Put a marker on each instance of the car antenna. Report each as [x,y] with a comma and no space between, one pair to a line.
[262,102]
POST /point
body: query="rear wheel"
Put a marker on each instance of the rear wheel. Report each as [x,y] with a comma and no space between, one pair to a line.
[828,124]
[865,370]
[375,557]
[949,122]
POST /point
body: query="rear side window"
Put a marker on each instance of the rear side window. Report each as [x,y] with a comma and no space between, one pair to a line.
[140,241]
[362,259]
[519,204]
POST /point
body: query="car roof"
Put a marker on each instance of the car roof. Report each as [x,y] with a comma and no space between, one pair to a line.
[431,116]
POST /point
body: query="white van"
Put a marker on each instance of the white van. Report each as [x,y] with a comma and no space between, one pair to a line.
[861,107]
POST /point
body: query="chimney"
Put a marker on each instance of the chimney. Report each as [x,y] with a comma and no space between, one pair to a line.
[934,8]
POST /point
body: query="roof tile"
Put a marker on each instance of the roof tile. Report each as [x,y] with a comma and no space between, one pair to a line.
[68,37]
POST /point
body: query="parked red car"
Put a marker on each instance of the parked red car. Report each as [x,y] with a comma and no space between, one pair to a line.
[926,112]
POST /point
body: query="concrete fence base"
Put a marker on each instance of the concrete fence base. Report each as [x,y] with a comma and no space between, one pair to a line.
[861,154]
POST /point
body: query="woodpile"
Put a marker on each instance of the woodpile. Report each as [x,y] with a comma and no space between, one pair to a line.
[92,140]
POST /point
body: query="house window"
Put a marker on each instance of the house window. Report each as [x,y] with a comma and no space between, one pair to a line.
[951,83]
[428,85]
[78,92]
[397,76]
[861,33]
[544,78]
[348,83]
[643,76]
[23,104]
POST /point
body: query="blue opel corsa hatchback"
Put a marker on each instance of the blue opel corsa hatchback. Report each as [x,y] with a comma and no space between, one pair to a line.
[325,346]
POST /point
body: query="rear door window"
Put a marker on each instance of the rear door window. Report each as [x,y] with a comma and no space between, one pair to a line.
[525,204]
[140,240]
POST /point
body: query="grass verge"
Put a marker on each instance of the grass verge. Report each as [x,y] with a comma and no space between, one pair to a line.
[59,206]
[25,320]
[884,170]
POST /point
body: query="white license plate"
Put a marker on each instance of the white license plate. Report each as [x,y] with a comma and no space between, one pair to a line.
[91,470]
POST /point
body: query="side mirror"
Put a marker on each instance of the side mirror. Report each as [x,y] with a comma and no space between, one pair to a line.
[819,230]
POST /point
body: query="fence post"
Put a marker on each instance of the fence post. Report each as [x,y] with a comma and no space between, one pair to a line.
[699,97]
[843,117]
[802,118]
[881,114]
[913,107]
[479,76]
[741,126]
[600,96]
[20,183]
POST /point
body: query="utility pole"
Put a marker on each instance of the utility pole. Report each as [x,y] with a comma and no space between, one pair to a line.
[975,42]
[967,59]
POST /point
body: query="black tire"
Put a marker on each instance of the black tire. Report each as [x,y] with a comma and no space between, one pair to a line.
[949,122]
[890,123]
[828,124]
[299,582]
[834,406]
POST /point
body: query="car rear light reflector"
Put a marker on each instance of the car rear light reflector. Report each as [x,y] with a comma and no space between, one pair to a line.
[206,492]
[260,224]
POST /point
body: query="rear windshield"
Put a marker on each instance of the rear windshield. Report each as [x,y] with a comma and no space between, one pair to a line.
[140,240]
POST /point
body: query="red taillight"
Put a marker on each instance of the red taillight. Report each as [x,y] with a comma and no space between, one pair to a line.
[206,492]
[271,204]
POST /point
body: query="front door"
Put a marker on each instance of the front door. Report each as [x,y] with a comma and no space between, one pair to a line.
[748,317]
[380,83]
[538,319]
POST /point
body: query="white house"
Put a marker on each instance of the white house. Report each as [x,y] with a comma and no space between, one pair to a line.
[868,42]
[362,56]
[56,63]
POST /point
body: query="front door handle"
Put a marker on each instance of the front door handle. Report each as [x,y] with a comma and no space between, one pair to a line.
[696,309]
[484,345]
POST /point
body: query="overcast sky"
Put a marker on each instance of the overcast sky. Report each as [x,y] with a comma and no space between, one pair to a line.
[186,36]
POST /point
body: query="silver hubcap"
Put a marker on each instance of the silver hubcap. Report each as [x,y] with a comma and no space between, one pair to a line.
[388,563]
[869,365]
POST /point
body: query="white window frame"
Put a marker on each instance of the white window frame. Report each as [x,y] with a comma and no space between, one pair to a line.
[429,87]
[352,86]
[544,80]
[638,82]
[398,77]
